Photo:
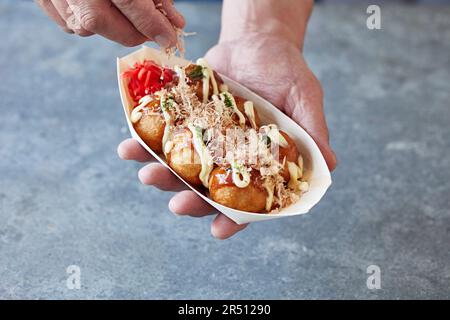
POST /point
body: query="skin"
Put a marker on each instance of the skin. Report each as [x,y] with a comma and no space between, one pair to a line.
[127,22]
[240,105]
[268,33]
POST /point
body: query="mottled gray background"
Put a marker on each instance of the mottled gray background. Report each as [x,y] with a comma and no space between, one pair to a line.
[66,198]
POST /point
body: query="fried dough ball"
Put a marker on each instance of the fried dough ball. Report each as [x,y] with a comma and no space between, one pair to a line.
[240,105]
[252,198]
[290,153]
[183,158]
[150,127]
[194,73]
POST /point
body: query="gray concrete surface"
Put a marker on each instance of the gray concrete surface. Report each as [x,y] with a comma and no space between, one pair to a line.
[65,197]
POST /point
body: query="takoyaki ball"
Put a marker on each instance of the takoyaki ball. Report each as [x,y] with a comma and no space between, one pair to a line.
[222,190]
[290,153]
[240,105]
[150,127]
[183,158]
[194,73]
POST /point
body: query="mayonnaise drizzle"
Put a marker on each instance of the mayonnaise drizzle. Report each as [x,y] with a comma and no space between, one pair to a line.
[240,175]
[269,200]
[180,74]
[168,120]
[205,158]
[250,112]
[296,173]
[274,134]
[208,75]
[224,96]
[136,113]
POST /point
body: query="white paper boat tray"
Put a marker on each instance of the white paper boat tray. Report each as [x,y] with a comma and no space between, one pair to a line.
[316,170]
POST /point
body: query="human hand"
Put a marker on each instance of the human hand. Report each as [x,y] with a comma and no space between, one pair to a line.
[128,22]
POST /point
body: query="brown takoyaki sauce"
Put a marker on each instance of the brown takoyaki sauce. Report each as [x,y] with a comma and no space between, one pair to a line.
[222,177]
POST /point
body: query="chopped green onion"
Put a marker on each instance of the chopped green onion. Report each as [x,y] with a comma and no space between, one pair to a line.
[196,74]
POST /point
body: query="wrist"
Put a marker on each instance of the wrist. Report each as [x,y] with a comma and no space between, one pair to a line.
[283,19]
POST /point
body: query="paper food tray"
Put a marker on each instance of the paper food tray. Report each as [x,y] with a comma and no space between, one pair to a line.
[316,170]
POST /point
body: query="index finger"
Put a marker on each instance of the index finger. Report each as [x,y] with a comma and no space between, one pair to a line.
[130,149]
[100,17]
[51,11]
[223,227]
[169,10]
[149,21]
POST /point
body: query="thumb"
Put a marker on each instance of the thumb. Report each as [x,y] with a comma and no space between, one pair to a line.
[217,58]
[307,111]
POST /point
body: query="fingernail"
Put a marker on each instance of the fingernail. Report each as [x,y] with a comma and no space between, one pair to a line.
[173,208]
[215,233]
[162,41]
[69,31]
